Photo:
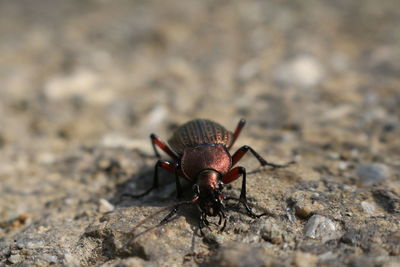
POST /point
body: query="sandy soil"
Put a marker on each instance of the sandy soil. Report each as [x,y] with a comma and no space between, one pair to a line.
[84,83]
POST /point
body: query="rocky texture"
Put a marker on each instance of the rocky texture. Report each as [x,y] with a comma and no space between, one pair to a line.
[83,84]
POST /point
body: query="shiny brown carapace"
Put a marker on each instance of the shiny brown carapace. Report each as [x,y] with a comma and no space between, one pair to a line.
[197,132]
[199,150]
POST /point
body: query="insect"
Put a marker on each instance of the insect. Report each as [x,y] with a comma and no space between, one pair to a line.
[200,154]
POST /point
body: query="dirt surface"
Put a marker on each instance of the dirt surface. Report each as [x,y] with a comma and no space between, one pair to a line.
[84,83]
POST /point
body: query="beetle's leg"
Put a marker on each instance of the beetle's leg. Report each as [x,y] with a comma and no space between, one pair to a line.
[202,223]
[237,131]
[223,216]
[179,191]
[155,140]
[231,176]
[166,165]
[244,149]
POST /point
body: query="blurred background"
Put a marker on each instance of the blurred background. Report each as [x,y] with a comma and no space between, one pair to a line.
[84,82]
[85,72]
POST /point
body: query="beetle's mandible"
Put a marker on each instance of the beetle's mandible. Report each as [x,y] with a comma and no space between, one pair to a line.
[200,154]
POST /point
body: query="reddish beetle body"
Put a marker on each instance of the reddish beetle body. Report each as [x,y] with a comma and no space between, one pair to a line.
[198,132]
[200,150]
[202,157]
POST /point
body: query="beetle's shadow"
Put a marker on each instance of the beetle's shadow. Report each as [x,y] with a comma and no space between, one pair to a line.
[128,192]
[165,198]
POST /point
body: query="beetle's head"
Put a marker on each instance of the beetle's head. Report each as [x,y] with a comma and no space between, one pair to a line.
[208,192]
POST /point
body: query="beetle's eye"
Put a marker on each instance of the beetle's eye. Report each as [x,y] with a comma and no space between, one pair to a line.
[220,185]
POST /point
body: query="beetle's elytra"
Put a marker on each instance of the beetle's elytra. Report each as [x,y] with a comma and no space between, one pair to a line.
[197,132]
[200,153]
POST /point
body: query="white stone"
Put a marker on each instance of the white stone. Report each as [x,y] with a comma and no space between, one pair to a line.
[302,71]
[321,227]
[368,207]
[15,258]
[105,206]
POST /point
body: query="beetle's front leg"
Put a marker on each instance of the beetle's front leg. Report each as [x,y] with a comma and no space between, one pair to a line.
[179,190]
[202,222]
[231,176]
[166,165]
[222,214]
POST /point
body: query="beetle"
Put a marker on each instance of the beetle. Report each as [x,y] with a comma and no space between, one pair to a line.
[200,154]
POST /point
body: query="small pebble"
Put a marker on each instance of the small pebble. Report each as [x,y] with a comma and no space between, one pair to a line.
[131,261]
[303,211]
[354,153]
[14,259]
[302,71]
[71,260]
[368,207]
[49,258]
[104,164]
[306,208]
[343,165]
[5,249]
[105,206]
[240,254]
[321,227]
[333,155]
[305,204]
[327,256]
[29,243]
[373,173]
[271,232]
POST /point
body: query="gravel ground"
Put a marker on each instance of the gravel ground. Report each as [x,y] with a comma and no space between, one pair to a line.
[84,83]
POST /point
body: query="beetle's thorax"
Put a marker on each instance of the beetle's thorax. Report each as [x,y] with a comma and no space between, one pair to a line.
[203,157]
